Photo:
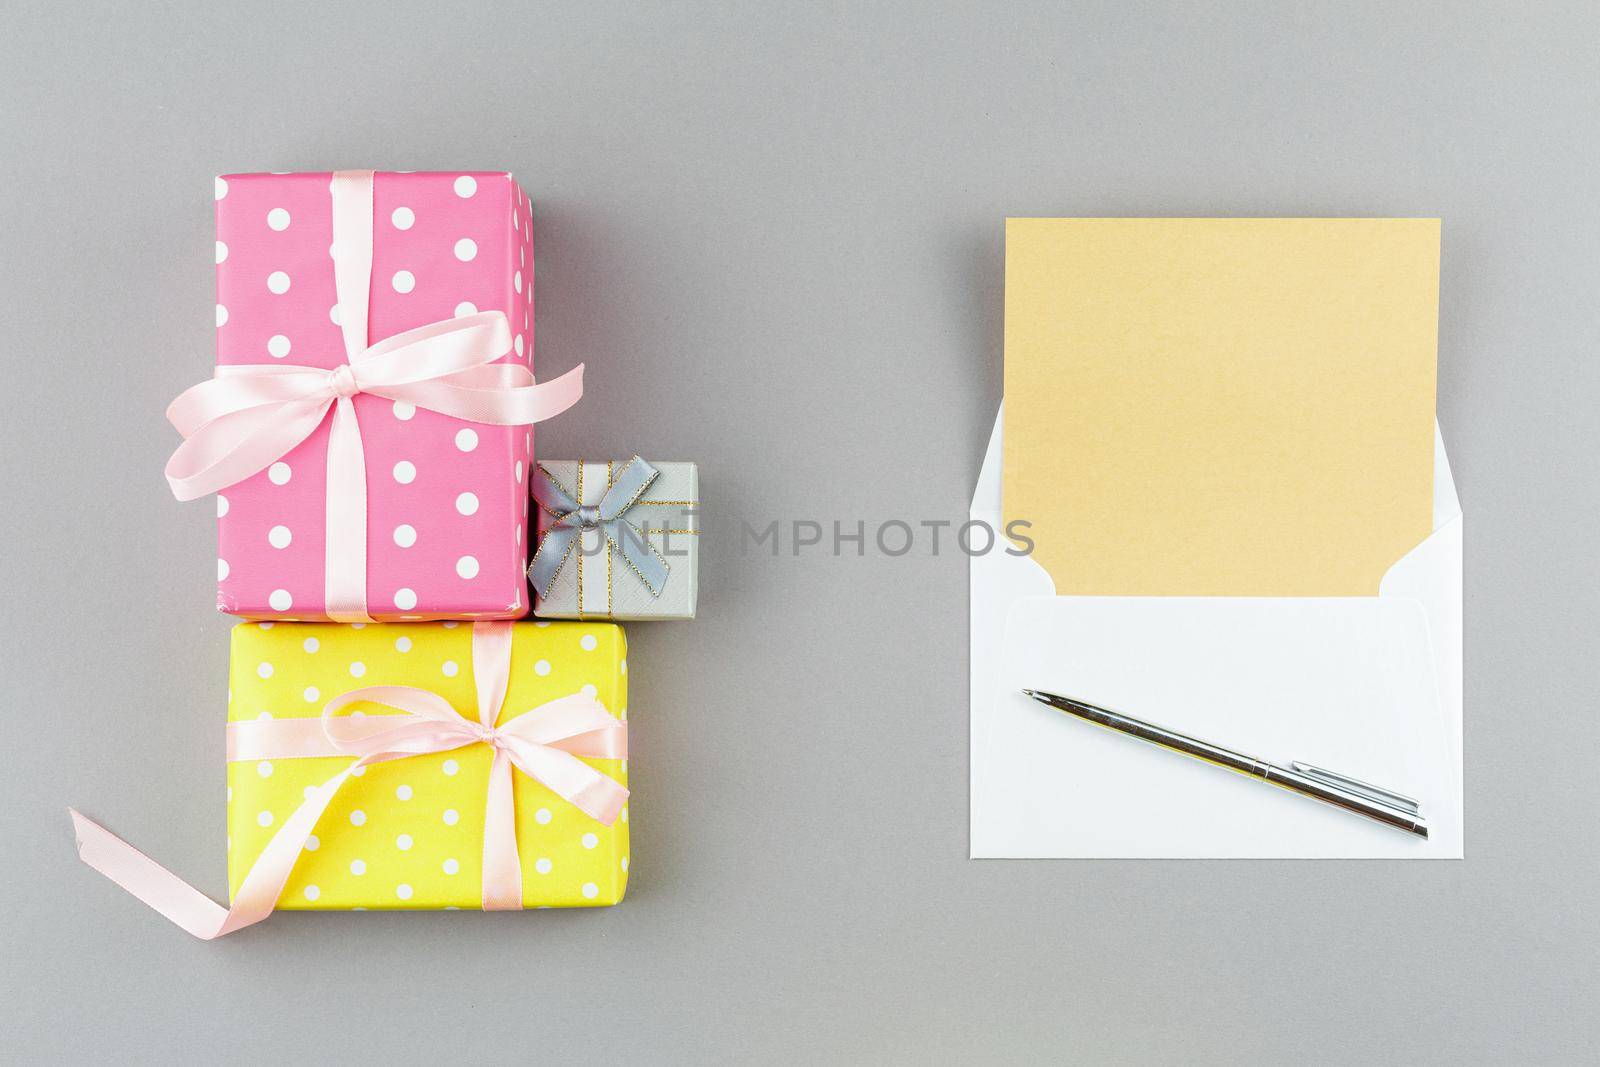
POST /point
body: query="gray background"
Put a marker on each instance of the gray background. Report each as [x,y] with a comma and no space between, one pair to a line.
[775,236]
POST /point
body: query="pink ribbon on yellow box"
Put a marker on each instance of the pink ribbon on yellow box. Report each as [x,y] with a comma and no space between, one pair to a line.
[544,743]
[249,416]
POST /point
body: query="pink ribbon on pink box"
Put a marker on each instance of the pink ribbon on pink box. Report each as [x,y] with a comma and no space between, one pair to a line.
[249,416]
[544,743]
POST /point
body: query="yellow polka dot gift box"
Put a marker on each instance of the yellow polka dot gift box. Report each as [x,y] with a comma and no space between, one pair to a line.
[410,766]
[409,832]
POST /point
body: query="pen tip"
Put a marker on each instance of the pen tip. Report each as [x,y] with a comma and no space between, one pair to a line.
[1030,693]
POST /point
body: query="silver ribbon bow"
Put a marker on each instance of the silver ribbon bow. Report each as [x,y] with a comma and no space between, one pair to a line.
[572,518]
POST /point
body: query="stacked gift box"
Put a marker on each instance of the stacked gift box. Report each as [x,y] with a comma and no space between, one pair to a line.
[396,737]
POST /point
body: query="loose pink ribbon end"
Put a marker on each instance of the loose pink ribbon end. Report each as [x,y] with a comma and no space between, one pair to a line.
[146,879]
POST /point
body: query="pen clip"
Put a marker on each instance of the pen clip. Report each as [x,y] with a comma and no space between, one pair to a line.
[1398,801]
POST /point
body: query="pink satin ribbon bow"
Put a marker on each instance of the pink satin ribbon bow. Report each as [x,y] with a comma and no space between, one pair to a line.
[544,743]
[249,416]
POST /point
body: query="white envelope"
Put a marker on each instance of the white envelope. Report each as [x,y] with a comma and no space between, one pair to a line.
[1369,687]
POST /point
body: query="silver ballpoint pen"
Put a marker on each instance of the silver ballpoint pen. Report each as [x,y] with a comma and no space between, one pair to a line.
[1351,794]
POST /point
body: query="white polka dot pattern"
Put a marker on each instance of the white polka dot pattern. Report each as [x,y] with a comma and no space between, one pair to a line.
[408,833]
[445,244]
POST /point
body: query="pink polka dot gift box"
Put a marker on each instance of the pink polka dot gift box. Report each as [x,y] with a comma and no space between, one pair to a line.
[368,431]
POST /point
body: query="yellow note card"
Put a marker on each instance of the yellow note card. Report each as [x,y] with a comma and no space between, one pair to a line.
[1239,407]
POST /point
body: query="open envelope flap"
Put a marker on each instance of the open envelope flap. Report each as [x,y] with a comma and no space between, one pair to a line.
[1342,682]
[997,580]
[986,494]
[1431,574]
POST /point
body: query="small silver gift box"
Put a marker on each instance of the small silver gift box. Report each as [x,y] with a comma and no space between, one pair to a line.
[616,540]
